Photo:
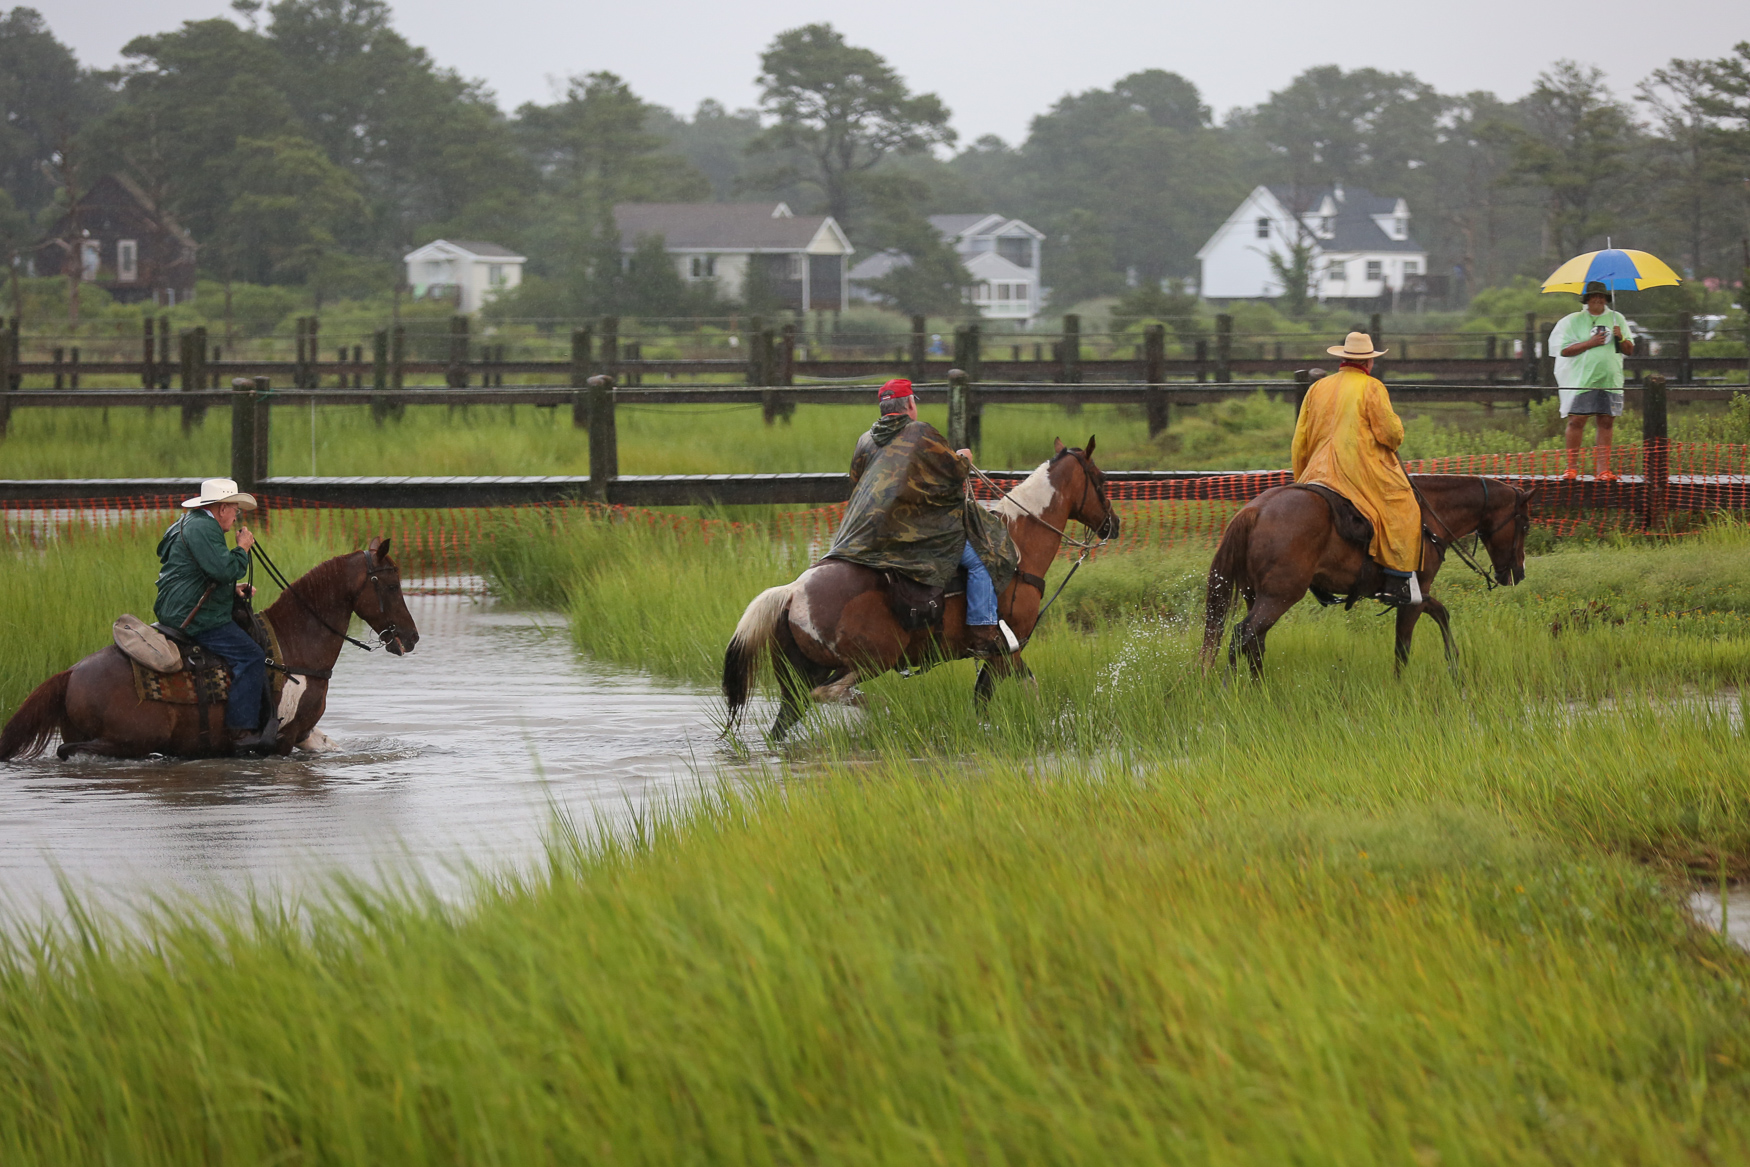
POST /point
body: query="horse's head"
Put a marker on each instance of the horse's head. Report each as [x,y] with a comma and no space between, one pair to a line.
[1504,526]
[1075,476]
[375,583]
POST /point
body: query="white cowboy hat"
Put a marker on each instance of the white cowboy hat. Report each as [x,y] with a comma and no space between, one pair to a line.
[217,490]
[1358,347]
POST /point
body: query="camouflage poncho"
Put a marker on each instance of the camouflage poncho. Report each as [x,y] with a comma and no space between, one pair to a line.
[909,511]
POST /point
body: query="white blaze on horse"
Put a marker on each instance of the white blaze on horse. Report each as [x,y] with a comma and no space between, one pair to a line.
[835,625]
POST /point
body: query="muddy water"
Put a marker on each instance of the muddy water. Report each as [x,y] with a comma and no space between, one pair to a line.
[453,755]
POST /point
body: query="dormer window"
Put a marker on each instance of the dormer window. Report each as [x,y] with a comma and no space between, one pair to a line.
[1403,228]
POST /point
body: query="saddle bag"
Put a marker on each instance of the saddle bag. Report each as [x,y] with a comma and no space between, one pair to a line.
[145,644]
[914,605]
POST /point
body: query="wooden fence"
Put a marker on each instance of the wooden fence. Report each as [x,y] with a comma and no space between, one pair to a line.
[770,360]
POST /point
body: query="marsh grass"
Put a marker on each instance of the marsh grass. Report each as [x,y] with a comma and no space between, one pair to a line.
[1135,915]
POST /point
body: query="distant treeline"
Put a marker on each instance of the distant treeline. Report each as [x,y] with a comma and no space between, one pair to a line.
[312,144]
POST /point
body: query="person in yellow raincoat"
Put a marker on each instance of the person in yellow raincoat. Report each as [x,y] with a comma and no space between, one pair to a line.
[1347,439]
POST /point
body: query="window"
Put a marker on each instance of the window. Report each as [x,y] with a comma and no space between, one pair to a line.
[1412,267]
[1016,249]
[981,292]
[1403,228]
[1336,271]
[704,267]
[1263,228]
[794,268]
[495,275]
[127,260]
[1003,292]
[1021,296]
[1375,269]
[90,259]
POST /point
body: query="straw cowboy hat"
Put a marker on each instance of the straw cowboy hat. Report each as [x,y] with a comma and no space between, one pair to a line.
[1358,347]
[217,490]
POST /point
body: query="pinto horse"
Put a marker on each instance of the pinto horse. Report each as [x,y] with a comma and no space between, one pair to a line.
[832,626]
[1285,543]
[95,710]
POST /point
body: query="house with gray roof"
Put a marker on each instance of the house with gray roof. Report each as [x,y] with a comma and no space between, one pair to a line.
[802,258]
[1000,253]
[1362,248]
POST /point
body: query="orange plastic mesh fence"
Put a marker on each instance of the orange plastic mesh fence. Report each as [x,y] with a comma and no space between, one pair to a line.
[437,547]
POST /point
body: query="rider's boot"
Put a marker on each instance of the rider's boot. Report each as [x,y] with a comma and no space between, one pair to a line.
[1399,589]
[990,641]
[262,740]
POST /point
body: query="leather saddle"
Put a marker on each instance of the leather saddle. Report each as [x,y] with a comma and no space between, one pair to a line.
[916,605]
[1354,529]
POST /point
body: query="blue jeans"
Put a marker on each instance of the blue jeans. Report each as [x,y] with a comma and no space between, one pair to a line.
[248,672]
[981,594]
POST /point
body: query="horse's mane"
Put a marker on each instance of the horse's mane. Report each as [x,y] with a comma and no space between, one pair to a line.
[326,579]
[1033,495]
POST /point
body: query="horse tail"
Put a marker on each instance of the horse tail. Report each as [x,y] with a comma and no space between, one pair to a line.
[753,638]
[36,720]
[1227,573]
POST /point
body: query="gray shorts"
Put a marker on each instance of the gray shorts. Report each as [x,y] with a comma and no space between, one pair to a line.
[1595,401]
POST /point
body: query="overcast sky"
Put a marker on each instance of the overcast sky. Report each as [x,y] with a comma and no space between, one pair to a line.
[997,65]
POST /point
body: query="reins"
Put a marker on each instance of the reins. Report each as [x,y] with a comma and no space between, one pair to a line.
[1451,540]
[1087,546]
[278,576]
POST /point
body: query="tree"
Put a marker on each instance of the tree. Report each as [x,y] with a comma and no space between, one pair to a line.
[927,277]
[1365,127]
[1573,144]
[288,208]
[840,110]
[45,98]
[1686,154]
[16,236]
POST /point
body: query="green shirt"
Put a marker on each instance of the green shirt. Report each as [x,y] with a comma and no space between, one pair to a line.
[1596,368]
[195,557]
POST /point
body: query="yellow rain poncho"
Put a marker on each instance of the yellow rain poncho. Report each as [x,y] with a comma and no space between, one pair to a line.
[1347,439]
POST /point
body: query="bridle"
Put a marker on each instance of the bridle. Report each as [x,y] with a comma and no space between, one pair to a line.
[1087,546]
[1479,537]
[374,574]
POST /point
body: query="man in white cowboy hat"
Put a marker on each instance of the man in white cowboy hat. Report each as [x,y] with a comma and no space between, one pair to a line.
[1591,344]
[195,587]
[1347,439]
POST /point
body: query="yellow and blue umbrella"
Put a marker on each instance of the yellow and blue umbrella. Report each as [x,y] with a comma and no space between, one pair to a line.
[1615,268]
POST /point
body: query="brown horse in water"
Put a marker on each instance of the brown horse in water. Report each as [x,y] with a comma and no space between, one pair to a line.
[833,627]
[94,708]
[1285,543]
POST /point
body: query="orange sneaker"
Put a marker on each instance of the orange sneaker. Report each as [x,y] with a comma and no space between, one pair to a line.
[1570,474]
[1606,476]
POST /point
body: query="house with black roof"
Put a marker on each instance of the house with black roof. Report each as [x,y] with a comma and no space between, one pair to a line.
[800,259]
[1362,249]
[118,238]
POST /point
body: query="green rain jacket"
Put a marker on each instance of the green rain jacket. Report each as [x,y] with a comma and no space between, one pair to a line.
[196,557]
[909,511]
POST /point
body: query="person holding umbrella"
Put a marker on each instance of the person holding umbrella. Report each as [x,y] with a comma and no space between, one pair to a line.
[1592,343]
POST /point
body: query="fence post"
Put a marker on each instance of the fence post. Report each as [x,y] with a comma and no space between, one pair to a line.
[1528,370]
[1546,364]
[5,380]
[604,451]
[1685,339]
[1154,375]
[1224,349]
[148,374]
[1376,326]
[380,360]
[1303,379]
[58,357]
[957,437]
[610,349]
[1069,352]
[398,357]
[243,406]
[920,347]
[580,375]
[1656,447]
[458,368]
[263,428]
[787,356]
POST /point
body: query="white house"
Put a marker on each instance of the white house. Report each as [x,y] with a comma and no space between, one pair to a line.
[1002,255]
[1362,248]
[465,270]
[803,257]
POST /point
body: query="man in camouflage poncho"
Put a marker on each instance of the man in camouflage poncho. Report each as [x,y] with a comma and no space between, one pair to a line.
[910,513]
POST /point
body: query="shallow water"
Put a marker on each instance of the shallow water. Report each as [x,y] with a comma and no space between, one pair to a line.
[453,755]
[1705,907]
